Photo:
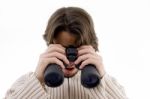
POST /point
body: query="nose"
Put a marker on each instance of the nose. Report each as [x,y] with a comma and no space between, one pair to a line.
[71,65]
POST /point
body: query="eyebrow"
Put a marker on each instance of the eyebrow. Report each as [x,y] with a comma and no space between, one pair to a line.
[68,46]
[64,46]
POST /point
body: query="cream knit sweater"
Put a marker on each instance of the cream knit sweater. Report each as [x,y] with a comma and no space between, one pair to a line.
[28,87]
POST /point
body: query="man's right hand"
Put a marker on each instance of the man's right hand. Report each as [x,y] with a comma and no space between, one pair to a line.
[53,54]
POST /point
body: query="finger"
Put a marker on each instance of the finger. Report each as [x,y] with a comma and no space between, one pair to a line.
[57,55]
[84,57]
[86,62]
[55,60]
[56,49]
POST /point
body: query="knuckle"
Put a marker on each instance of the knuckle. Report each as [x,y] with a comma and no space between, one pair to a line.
[80,58]
[50,46]
[41,55]
[90,46]
[54,59]
[83,64]
[59,62]
[55,53]
[44,61]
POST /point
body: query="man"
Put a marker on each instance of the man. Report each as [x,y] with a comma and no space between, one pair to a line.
[68,26]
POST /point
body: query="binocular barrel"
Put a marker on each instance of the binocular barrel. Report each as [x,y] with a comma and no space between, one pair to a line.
[89,76]
[53,75]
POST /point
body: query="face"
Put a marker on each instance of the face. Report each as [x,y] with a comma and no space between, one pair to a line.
[66,39]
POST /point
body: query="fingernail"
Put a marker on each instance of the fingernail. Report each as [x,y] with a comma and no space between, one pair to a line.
[75,62]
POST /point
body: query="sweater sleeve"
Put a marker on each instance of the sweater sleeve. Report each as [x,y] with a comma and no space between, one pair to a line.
[108,88]
[26,87]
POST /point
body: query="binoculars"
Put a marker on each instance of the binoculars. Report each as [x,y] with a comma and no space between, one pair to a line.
[53,74]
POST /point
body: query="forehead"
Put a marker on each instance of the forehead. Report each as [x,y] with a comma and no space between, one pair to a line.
[65,39]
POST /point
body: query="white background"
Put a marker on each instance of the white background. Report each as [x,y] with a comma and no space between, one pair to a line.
[122,26]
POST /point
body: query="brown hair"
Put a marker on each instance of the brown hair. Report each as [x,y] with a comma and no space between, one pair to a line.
[73,20]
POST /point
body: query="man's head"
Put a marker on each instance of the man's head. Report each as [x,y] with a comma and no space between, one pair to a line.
[75,21]
[71,26]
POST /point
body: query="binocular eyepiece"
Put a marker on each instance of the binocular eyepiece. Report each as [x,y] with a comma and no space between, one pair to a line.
[53,74]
